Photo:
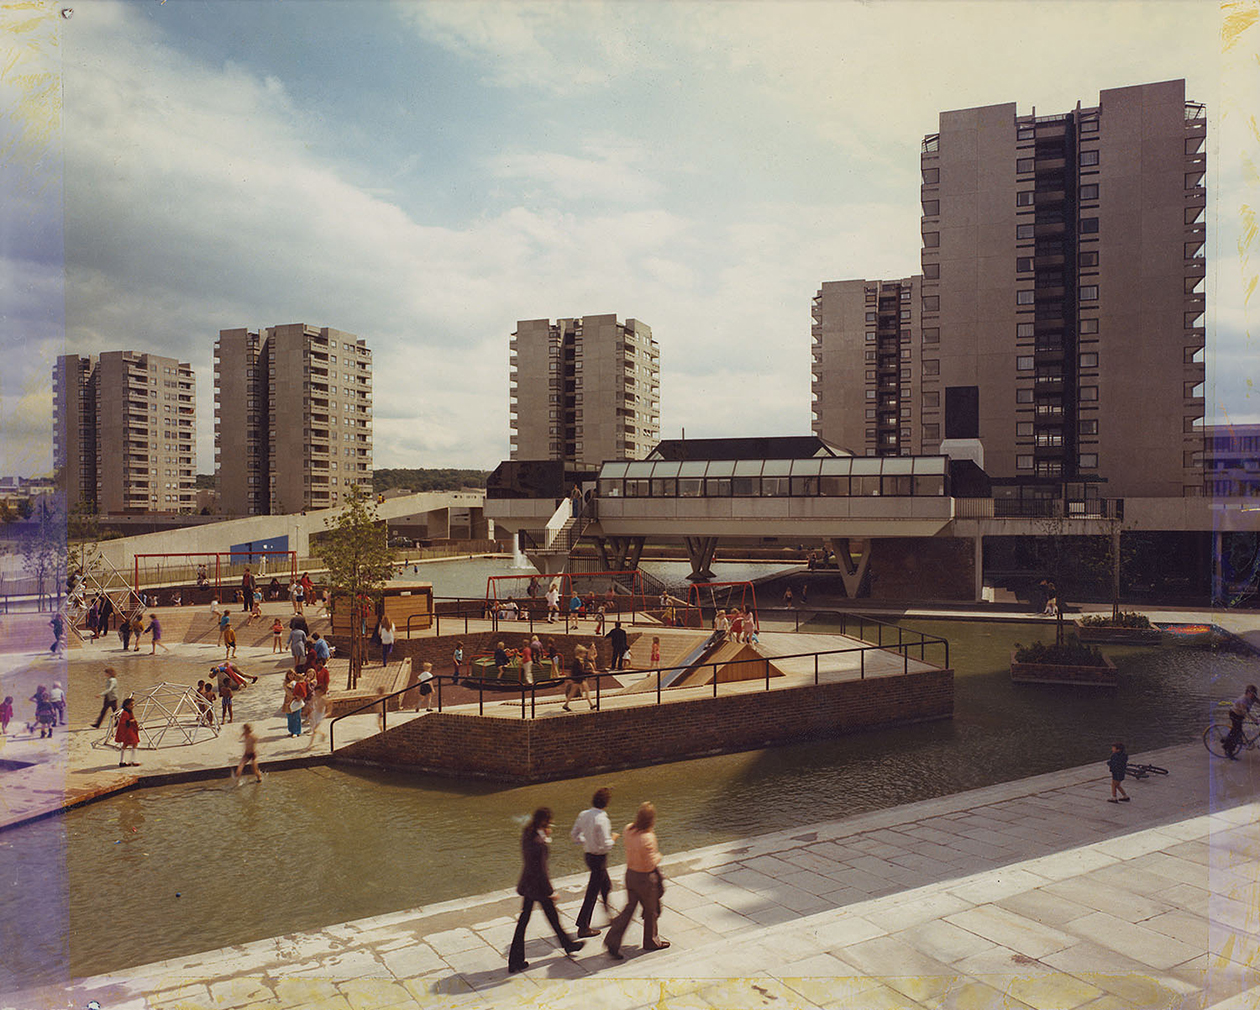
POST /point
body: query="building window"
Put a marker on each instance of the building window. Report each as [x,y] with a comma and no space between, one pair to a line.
[1024,363]
[905,313]
[931,208]
[1026,133]
[1023,396]
[1023,264]
[1089,158]
[1088,259]
[905,411]
[1089,394]
[1024,297]
[870,375]
[1089,126]
[1089,461]
[1089,359]
[1023,231]
[1089,226]
[931,303]
[1024,198]
[1089,426]
[905,354]
[1089,292]
[1023,164]
[1089,192]
[1023,429]
[931,432]
[932,398]
[871,317]
[931,239]
[870,354]
[1089,325]
[931,334]
[931,368]
[931,271]
[1023,462]
[870,413]
[870,336]
[905,294]
[1023,329]
[870,394]
[931,176]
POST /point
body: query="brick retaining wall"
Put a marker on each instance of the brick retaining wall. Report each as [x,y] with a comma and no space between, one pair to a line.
[554,747]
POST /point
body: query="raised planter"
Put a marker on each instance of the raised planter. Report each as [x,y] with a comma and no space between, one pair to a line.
[1119,636]
[1054,673]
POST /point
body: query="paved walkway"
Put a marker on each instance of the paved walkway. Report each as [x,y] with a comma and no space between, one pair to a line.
[1035,893]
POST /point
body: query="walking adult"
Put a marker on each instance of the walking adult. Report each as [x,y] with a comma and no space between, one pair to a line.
[593,831]
[535,886]
[109,697]
[620,642]
[57,697]
[644,884]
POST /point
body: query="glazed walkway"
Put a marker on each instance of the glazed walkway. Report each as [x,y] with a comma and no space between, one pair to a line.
[1035,893]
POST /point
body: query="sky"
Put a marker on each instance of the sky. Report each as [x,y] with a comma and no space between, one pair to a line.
[425,174]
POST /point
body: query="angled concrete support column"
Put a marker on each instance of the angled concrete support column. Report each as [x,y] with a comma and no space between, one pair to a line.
[619,554]
[851,571]
[700,551]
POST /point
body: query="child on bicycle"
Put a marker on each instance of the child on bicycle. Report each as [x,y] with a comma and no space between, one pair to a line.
[1118,763]
[1237,713]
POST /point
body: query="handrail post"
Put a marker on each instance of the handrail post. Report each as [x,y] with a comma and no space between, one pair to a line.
[481,698]
[815,669]
[658,687]
[862,664]
[522,699]
[599,680]
[767,673]
[715,673]
[533,700]
[905,661]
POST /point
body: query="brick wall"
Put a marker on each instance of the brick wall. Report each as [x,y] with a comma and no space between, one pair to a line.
[583,743]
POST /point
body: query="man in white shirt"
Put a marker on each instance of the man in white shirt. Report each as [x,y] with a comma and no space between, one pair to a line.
[593,831]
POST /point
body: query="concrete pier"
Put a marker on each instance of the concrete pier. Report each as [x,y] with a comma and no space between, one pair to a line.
[1033,893]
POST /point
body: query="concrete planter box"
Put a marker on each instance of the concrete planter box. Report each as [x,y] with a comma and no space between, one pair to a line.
[1053,673]
[1119,636]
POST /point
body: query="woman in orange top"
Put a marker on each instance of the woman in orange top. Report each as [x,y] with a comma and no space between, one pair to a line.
[644,883]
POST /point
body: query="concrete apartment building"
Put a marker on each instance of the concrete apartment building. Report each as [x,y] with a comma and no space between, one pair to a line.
[1232,461]
[871,329]
[1062,303]
[583,390]
[293,418]
[125,432]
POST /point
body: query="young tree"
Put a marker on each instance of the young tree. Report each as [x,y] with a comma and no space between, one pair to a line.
[356,552]
[44,546]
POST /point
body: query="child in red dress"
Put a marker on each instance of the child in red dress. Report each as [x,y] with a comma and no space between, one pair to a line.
[127,734]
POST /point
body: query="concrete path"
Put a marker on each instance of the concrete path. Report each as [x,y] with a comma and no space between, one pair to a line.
[1035,893]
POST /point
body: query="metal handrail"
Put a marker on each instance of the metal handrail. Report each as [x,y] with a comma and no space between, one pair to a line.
[529,692]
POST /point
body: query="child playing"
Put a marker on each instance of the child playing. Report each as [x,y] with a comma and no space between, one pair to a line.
[6,714]
[1118,763]
[250,757]
[229,641]
[426,686]
[656,652]
[225,693]
[457,660]
[277,629]
[127,734]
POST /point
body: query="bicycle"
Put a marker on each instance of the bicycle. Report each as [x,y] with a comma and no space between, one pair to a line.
[1214,737]
[1142,771]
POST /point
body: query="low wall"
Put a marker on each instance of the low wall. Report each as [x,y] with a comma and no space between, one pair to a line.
[554,747]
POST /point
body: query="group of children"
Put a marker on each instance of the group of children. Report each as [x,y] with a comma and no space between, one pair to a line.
[50,710]
[739,624]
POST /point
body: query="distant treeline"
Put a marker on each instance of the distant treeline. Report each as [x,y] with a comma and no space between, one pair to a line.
[427,480]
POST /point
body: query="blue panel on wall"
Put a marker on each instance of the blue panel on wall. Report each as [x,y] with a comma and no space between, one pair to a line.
[252,547]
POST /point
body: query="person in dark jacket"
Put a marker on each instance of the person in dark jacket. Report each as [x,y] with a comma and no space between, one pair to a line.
[620,641]
[1119,764]
[535,886]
